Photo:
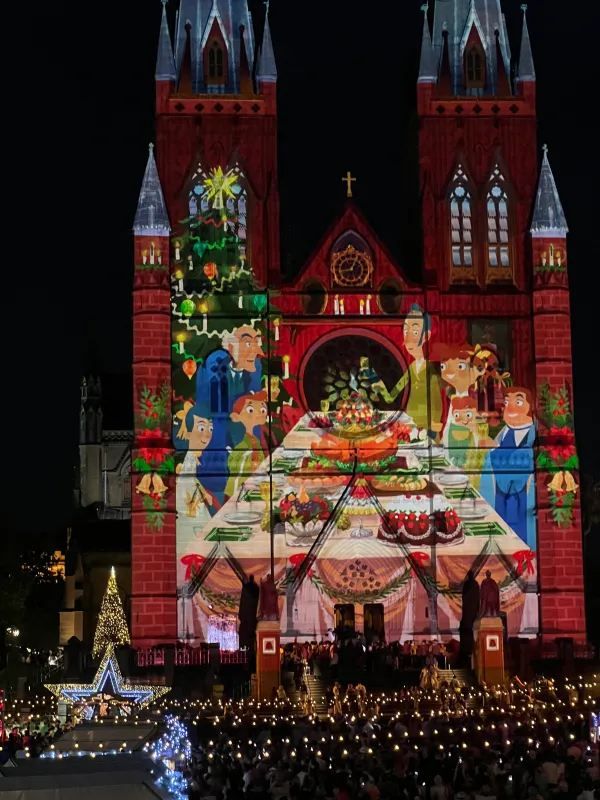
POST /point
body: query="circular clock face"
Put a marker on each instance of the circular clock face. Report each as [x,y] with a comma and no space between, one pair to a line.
[351,268]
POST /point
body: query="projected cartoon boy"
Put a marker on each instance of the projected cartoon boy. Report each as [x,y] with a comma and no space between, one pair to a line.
[251,411]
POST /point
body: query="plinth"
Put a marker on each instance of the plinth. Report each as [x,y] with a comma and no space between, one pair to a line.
[268,634]
[489,649]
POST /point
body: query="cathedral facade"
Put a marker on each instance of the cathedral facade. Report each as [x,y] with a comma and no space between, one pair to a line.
[365,439]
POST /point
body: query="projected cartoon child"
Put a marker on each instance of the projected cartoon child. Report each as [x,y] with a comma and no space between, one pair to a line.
[194,502]
[251,411]
[459,375]
[462,431]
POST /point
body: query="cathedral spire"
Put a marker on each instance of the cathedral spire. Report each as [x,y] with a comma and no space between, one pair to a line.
[165,63]
[212,30]
[427,66]
[151,218]
[267,69]
[476,37]
[548,217]
[526,68]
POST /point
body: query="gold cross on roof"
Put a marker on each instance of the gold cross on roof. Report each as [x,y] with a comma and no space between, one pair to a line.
[348,180]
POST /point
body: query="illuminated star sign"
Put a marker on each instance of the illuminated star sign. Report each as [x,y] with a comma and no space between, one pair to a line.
[108,671]
[220,183]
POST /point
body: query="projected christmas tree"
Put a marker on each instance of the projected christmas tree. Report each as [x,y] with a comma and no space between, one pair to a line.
[112,625]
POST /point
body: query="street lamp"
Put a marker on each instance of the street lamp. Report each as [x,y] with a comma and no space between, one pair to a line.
[14,632]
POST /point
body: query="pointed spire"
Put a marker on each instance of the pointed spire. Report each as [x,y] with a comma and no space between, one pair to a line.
[246,86]
[445,79]
[151,218]
[165,63]
[526,67]
[267,69]
[185,84]
[502,79]
[548,217]
[427,67]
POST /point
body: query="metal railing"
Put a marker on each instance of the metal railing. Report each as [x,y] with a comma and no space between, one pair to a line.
[188,656]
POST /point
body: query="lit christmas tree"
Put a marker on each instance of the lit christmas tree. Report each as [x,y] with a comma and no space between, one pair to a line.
[112,625]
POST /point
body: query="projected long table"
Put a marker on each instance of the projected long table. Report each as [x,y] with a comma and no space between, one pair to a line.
[358,560]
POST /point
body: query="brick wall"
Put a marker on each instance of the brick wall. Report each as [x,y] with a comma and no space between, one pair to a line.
[153,545]
[560,559]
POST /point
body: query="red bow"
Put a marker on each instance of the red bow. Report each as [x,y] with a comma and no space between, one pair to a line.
[421,559]
[193,562]
[296,561]
[525,559]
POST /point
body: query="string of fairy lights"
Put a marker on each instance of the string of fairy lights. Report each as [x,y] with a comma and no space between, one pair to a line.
[491,717]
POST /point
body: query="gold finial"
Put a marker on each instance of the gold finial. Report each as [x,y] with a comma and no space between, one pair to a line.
[348,180]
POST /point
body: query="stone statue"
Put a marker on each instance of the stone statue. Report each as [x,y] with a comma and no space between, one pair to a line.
[489,596]
[269,600]
[470,610]
[470,599]
[247,613]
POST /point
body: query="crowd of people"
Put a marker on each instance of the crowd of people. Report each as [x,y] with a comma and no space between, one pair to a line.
[336,657]
[32,737]
[510,746]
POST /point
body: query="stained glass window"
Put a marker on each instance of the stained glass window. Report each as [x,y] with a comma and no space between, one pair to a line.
[498,225]
[461,224]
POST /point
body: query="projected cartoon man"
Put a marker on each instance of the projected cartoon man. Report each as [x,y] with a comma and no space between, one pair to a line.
[510,485]
[228,373]
[244,345]
[425,397]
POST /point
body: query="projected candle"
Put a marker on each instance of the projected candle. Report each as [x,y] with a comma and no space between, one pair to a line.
[203,308]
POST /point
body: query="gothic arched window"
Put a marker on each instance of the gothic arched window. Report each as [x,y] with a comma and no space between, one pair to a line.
[475,67]
[499,262]
[461,227]
[215,60]
[215,63]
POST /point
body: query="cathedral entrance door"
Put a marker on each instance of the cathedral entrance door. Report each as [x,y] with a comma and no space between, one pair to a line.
[344,620]
[374,622]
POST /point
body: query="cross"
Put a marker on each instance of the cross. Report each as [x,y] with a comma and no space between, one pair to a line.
[348,180]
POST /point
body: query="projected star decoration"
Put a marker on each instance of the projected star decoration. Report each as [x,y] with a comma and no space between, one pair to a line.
[220,183]
[108,671]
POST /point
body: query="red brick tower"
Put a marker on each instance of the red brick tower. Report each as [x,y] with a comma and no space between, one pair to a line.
[559,517]
[478,161]
[153,605]
[209,110]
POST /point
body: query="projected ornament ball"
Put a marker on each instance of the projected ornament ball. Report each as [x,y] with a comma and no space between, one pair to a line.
[211,270]
[187,307]
[189,367]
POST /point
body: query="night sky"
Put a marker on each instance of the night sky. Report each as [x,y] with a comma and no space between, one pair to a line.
[81,115]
